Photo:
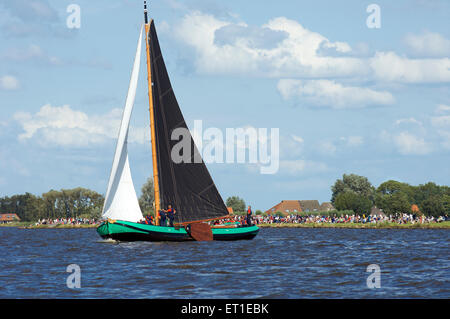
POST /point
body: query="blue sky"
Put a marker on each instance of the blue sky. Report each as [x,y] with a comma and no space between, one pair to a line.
[346,98]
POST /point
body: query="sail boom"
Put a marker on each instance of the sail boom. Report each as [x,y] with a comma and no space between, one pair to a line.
[202,220]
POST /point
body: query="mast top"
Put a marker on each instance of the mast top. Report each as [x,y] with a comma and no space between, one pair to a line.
[145,12]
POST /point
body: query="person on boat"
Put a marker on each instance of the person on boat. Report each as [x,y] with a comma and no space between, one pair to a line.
[249,216]
[162,217]
[170,214]
[149,220]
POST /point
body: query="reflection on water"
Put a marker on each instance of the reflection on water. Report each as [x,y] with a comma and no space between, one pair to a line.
[278,263]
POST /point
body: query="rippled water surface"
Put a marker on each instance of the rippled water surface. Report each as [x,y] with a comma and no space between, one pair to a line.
[278,263]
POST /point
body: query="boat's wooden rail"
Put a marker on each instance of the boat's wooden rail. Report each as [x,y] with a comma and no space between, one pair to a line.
[220,227]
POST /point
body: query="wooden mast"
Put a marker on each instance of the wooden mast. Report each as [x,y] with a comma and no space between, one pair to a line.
[152,119]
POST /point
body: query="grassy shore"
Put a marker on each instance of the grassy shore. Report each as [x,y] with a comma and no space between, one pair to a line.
[32,225]
[386,225]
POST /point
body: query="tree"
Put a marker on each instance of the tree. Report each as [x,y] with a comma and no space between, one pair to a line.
[425,191]
[67,203]
[352,201]
[390,187]
[446,203]
[147,197]
[26,206]
[51,206]
[236,203]
[395,203]
[353,183]
[433,206]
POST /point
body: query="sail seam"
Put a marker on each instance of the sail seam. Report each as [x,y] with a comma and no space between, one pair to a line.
[156,58]
[211,185]
[165,93]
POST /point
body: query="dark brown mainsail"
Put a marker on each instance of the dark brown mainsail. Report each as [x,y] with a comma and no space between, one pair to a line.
[187,185]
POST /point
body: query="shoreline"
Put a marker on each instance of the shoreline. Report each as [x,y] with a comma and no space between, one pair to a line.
[386,225]
[52,226]
[441,225]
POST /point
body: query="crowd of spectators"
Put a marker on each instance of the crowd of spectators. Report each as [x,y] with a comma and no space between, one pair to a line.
[288,219]
[353,218]
[67,221]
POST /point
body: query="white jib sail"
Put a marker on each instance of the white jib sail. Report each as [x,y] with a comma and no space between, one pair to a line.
[121,201]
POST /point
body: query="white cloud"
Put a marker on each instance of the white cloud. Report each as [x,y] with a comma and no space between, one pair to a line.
[427,137]
[293,53]
[291,146]
[35,55]
[298,139]
[63,126]
[8,82]
[300,166]
[388,66]
[331,147]
[441,121]
[445,138]
[30,18]
[408,143]
[164,27]
[354,140]
[332,94]
[428,44]
[442,124]
[32,53]
[442,108]
[327,148]
[31,10]
[284,48]
[410,120]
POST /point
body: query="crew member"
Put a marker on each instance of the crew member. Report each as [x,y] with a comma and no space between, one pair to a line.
[170,214]
[249,216]
[162,216]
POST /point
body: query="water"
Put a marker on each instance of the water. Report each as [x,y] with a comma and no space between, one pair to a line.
[278,263]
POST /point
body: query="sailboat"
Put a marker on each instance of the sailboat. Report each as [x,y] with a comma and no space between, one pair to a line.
[187,186]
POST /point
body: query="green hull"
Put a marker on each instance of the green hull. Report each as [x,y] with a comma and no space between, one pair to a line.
[128,231]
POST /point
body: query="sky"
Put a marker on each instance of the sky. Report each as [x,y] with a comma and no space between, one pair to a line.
[352,86]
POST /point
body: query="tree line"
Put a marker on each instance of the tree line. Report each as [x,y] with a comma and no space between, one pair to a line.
[354,192]
[66,203]
[351,193]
